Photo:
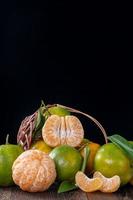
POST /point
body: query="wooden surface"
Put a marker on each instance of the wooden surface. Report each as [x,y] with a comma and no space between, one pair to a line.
[14,193]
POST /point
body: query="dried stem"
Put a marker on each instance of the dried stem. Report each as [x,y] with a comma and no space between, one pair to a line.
[88,116]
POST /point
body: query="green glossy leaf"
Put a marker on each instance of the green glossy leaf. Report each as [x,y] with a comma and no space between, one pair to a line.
[124,144]
[40,117]
[66,186]
[37,134]
[38,124]
[38,120]
[86,156]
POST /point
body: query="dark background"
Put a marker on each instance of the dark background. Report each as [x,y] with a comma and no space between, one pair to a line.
[75,56]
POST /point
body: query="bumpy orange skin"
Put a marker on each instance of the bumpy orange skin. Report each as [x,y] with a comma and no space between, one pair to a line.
[34,171]
[62,130]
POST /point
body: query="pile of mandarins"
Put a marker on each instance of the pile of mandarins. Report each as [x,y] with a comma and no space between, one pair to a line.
[53,143]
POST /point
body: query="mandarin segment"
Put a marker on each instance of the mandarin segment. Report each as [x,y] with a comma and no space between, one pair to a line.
[62,130]
[75,132]
[51,130]
[87,184]
[109,184]
[34,171]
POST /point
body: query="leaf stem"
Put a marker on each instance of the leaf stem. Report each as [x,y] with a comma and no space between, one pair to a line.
[86,156]
[7,139]
[88,116]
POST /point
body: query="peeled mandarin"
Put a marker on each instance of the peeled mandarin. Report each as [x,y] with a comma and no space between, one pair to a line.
[62,130]
[34,171]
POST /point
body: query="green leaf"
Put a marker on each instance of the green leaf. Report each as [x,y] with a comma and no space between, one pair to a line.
[37,134]
[38,124]
[38,120]
[66,186]
[86,156]
[124,144]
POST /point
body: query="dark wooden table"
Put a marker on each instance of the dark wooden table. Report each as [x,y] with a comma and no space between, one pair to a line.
[14,193]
